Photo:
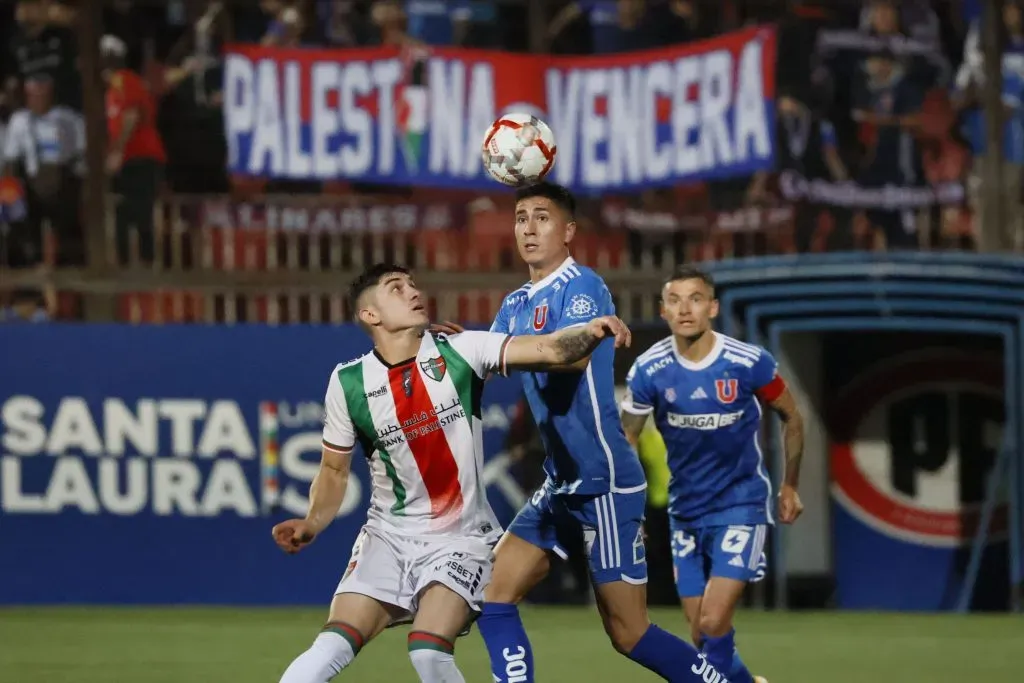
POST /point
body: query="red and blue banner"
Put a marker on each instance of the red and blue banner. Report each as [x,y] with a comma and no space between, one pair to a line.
[621,122]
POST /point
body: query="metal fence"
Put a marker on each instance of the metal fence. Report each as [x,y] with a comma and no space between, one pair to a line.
[288,259]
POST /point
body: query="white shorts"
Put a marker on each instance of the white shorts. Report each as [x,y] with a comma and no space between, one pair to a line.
[395,569]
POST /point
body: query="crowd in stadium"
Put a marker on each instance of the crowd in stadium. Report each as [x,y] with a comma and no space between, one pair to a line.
[880,129]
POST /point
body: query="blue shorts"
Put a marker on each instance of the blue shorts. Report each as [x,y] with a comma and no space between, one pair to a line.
[611,525]
[732,552]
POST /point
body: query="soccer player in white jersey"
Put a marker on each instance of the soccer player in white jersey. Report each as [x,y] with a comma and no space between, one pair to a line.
[704,391]
[413,404]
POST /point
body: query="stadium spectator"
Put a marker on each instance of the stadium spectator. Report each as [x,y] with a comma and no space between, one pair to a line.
[343,23]
[807,151]
[190,120]
[135,155]
[917,18]
[966,99]
[28,306]
[44,44]
[136,24]
[287,29]
[620,25]
[887,104]
[45,145]
[467,23]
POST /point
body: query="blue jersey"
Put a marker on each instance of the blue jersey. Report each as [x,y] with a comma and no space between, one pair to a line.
[575,411]
[709,416]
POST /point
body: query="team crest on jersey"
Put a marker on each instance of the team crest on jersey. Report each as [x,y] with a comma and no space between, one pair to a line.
[540,317]
[581,307]
[670,394]
[726,390]
[434,368]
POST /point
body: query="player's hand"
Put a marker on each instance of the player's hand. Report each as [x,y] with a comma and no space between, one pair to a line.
[611,326]
[790,506]
[447,327]
[293,535]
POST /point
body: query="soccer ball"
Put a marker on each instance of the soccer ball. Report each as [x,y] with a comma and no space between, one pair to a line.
[519,149]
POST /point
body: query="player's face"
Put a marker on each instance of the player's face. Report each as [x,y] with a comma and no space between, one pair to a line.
[543,231]
[396,305]
[688,306]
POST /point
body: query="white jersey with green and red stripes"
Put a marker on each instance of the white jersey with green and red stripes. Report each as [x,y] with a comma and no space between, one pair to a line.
[419,424]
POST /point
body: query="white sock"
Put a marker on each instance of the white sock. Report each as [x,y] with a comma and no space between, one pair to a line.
[329,654]
[436,667]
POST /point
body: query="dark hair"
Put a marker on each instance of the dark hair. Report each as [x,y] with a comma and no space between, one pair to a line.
[369,279]
[686,272]
[556,193]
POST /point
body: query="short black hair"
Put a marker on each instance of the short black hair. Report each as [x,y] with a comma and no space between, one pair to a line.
[560,195]
[369,279]
[688,272]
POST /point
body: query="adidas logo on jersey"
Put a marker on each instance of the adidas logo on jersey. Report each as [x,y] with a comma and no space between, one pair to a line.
[707,422]
[699,393]
[736,561]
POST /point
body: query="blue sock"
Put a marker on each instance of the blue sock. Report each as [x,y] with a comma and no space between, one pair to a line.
[723,655]
[507,643]
[673,659]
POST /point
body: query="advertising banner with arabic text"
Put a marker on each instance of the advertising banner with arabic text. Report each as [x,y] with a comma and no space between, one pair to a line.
[621,122]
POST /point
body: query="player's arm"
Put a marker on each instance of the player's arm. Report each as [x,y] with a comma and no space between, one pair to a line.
[784,405]
[633,425]
[600,303]
[327,491]
[780,399]
[636,406]
[566,346]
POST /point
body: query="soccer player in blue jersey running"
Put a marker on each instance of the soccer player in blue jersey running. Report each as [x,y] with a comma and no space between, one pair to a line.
[595,485]
[705,391]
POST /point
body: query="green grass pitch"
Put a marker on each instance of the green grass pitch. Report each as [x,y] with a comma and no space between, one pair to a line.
[225,645]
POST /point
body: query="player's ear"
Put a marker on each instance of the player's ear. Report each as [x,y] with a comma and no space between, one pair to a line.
[368,317]
[570,231]
[367,313]
[713,309]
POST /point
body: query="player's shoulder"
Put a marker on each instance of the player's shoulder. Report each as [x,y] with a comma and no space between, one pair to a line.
[517,296]
[352,363]
[741,353]
[458,339]
[660,355]
[578,288]
[582,276]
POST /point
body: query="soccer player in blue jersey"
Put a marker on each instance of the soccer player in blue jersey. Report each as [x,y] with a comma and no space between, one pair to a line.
[705,391]
[595,485]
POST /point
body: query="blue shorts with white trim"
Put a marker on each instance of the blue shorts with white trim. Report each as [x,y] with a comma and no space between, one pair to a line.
[611,525]
[731,552]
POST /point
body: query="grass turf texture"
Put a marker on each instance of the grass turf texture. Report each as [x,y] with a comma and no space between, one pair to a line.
[221,645]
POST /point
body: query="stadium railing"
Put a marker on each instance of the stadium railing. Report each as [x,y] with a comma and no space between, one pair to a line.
[287,258]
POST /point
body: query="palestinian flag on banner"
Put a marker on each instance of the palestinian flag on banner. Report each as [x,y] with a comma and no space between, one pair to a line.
[413,100]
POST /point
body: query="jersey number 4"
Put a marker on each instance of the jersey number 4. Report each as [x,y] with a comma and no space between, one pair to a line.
[735,540]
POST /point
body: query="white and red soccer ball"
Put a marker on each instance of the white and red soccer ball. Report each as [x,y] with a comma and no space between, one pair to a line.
[518,149]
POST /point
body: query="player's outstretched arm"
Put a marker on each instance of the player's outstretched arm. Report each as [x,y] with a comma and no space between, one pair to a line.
[566,346]
[326,494]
